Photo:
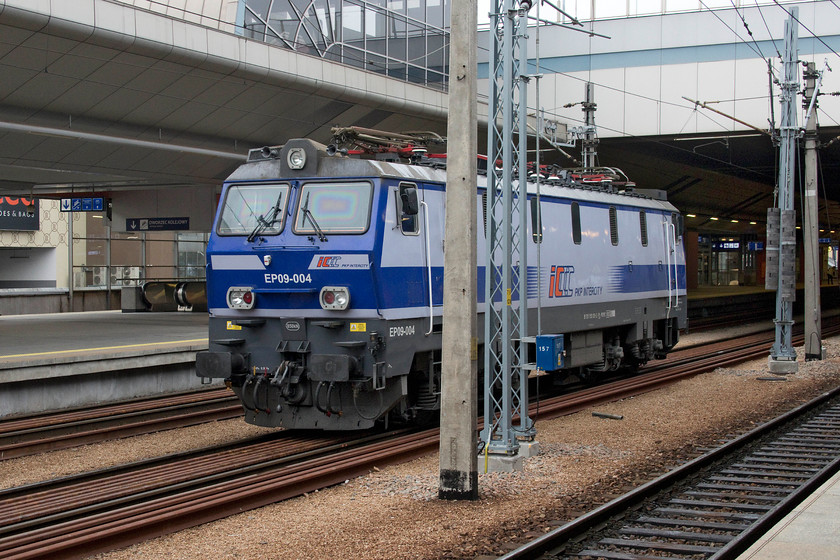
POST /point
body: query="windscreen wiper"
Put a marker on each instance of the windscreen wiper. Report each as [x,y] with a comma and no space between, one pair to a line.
[307,213]
[263,223]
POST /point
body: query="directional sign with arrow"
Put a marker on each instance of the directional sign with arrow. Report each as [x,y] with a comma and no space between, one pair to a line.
[157,224]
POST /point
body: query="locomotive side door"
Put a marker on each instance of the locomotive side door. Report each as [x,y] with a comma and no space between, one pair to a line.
[413,220]
[671,260]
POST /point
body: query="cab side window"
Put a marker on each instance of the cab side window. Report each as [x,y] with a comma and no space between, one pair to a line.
[408,207]
[679,225]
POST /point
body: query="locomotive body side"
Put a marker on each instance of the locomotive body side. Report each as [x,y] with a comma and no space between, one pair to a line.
[612,277]
[341,262]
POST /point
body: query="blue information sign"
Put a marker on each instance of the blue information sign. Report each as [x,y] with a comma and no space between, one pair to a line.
[157,224]
[93,204]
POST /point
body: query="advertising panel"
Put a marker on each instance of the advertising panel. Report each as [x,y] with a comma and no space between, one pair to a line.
[19,214]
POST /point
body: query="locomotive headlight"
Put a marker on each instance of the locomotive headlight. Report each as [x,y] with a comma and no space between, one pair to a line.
[296,158]
[240,298]
[333,297]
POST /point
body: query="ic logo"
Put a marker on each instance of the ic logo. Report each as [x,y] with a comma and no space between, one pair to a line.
[292,326]
[560,282]
[328,262]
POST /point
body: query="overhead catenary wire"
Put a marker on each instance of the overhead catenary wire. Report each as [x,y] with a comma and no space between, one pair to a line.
[771,72]
[767,27]
[753,46]
[623,133]
[548,66]
[673,146]
[714,13]
[747,27]
[660,101]
[805,27]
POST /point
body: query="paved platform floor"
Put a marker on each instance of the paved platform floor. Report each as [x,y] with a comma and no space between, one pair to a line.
[28,338]
[809,532]
[67,360]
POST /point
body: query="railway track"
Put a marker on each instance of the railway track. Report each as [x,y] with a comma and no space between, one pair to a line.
[80,515]
[63,430]
[714,506]
[20,437]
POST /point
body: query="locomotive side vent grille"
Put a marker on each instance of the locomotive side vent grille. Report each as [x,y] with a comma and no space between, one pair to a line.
[613,225]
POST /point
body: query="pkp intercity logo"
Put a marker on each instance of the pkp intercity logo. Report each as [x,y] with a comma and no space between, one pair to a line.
[560,281]
[344,262]
[328,262]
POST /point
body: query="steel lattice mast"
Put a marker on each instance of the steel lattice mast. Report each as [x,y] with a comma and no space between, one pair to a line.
[506,304]
[781,221]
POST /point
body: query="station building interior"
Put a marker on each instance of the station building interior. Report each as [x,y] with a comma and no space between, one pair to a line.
[140,131]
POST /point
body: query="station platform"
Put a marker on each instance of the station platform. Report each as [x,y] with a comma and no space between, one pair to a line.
[810,532]
[714,292]
[65,360]
[704,292]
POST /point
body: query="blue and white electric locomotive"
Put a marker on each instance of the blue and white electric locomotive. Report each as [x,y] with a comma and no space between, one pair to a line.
[325,284]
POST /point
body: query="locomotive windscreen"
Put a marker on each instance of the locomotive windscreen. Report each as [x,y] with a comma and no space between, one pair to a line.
[246,205]
[334,208]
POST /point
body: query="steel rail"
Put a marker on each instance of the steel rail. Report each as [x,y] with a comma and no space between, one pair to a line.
[49,432]
[553,539]
[126,525]
[51,420]
[35,506]
[132,519]
[663,375]
[31,435]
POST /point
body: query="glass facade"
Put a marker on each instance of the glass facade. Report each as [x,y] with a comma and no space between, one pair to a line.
[587,10]
[730,260]
[103,258]
[403,39]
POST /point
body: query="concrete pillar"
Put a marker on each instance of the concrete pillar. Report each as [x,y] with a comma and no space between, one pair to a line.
[459,360]
[810,227]
[692,254]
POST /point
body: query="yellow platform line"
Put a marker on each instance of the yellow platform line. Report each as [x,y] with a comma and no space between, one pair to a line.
[102,348]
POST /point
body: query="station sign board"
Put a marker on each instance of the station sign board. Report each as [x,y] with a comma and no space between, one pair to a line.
[157,224]
[89,204]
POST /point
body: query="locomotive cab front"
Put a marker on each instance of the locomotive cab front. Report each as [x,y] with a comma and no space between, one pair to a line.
[296,323]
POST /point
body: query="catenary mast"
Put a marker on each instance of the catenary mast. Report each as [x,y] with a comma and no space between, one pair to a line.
[506,318]
[781,221]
